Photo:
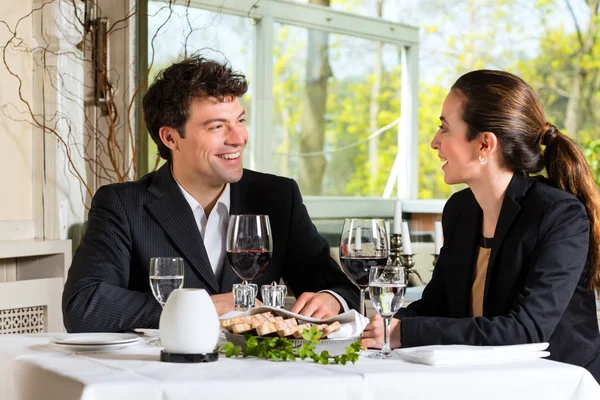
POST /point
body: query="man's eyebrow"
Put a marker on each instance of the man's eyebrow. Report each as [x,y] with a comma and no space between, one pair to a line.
[210,121]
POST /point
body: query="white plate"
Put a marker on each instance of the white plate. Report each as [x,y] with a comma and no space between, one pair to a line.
[94,341]
[92,347]
[95,338]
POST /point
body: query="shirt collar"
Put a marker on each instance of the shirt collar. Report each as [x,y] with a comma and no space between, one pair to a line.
[224,198]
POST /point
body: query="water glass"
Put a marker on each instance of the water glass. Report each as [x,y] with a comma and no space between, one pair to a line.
[387,285]
[244,296]
[166,275]
[273,295]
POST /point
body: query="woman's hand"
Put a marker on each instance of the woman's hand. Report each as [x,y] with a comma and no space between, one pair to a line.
[373,333]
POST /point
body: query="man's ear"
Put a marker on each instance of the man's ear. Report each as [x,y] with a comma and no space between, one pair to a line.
[170,137]
[489,143]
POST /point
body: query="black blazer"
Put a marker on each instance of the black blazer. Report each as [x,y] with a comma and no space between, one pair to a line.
[108,288]
[536,285]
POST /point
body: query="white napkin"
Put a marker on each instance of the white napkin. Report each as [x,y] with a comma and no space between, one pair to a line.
[352,323]
[461,355]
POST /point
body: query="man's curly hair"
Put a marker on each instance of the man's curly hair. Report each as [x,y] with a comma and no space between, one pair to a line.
[168,100]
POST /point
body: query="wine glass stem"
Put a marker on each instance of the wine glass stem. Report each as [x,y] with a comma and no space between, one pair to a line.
[386,335]
[362,302]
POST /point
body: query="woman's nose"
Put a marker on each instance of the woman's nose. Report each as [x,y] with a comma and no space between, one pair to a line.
[435,142]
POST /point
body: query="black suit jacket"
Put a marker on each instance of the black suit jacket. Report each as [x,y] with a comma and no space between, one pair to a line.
[108,283]
[535,289]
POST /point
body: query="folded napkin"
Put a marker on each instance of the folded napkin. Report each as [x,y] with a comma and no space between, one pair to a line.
[462,355]
[352,323]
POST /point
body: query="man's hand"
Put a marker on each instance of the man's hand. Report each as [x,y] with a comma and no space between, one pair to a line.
[317,305]
[372,336]
[224,302]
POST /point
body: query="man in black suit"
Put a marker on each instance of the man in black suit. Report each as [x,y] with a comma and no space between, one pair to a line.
[193,114]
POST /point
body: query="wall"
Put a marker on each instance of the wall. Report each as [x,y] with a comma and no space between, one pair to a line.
[16,160]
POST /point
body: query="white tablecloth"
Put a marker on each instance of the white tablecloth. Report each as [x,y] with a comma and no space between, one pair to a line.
[31,369]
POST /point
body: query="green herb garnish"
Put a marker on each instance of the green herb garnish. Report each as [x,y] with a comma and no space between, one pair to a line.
[281,349]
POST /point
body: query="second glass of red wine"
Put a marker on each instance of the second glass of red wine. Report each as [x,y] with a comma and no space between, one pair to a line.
[248,247]
[363,244]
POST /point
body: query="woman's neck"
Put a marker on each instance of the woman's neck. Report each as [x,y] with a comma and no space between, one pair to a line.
[489,192]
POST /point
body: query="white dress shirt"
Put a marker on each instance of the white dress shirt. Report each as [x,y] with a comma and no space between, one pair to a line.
[214,230]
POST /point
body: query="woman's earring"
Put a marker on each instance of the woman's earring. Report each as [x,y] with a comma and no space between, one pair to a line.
[482,160]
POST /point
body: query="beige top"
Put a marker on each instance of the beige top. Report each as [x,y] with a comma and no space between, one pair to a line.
[483,259]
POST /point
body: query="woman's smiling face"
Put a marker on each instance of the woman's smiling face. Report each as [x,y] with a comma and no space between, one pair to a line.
[460,156]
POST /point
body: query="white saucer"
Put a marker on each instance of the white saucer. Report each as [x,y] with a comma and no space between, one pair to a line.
[94,341]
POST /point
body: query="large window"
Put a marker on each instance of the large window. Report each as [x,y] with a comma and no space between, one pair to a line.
[328,79]
[333,95]
[331,92]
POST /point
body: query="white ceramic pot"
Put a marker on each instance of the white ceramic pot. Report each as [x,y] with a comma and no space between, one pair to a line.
[189,323]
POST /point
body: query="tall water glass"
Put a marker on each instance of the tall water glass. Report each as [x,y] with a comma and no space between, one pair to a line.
[166,275]
[387,286]
[363,244]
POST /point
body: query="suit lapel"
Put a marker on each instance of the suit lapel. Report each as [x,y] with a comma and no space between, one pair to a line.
[470,222]
[173,213]
[517,188]
[238,205]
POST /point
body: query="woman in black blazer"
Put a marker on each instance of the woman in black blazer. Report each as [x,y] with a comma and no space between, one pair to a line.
[520,261]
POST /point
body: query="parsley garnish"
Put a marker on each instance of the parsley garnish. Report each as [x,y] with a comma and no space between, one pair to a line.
[281,349]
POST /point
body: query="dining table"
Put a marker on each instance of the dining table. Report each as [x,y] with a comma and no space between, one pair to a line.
[32,367]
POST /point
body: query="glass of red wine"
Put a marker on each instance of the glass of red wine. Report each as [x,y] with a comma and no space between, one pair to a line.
[363,244]
[248,247]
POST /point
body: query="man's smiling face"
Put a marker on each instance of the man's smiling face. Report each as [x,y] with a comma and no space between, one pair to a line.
[214,139]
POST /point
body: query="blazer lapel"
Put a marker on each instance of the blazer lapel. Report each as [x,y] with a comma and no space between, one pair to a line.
[517,188]
[173,214]
[237,205]
[468,245]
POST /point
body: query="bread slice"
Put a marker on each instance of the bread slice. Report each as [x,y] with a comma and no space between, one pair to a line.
[228,323]
[288,331]
[331,328]
[265,329]
[287,327]
[300,329]
[242,328]
[254,320]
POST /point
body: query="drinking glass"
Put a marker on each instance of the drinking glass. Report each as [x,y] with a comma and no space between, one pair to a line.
[364,243]
[387,285]
[166,275]
[249,247]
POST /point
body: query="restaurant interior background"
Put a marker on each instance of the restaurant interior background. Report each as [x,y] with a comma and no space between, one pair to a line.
[374,72]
